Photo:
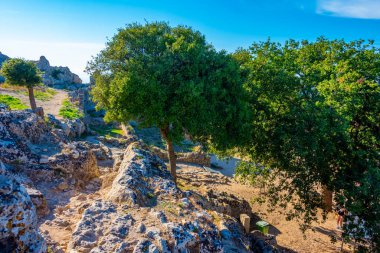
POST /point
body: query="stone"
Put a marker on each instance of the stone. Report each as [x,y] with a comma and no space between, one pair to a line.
[18,220]
[140,228]
[44,159]
[83,167]
[246,222]
[39,201]
[140,174]
[63,186]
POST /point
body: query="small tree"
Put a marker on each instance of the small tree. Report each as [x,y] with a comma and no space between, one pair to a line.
[23,73]
[172,79]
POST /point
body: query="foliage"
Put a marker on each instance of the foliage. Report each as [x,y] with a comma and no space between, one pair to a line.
[316,114]
[12,102]
[171,78]
[21,72]
[108,130]
[55,73]
[253,174]
[70,111]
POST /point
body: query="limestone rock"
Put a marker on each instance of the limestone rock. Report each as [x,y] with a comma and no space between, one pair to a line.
[76,161]
[101,229]
[141,174]
[18,220]
[39,201]
[56,75]
[18,129]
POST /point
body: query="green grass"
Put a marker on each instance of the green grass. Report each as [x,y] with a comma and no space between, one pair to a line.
[44,94]
[12,102]
[108,131]
[69,111]
[41,93]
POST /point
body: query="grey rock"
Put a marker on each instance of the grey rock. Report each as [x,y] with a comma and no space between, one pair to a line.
[18,220]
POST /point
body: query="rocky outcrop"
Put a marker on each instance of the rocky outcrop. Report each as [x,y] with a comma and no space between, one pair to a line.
[141,175]
[18,219]
[22,133]
[39,201]
[17,130]
[56,75]
[76,161]
[144,211]
[71,128]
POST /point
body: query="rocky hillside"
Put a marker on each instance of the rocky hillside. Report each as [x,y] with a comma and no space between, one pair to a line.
[52,75]
[61,194]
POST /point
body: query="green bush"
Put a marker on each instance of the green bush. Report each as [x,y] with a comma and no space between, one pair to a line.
[69,111]
[12,102]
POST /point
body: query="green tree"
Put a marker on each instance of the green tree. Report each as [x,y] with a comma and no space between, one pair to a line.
[171,78]
[316,125]
[23,73]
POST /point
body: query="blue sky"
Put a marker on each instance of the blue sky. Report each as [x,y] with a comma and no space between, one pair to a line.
[69,32]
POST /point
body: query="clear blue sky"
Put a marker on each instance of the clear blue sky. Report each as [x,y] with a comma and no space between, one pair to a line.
[68,32]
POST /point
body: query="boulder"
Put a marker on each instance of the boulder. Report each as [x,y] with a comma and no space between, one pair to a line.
[18,220]
[18,130]
[142,176]
[39,201]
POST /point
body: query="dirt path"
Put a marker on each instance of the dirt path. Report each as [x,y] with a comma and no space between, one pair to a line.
[288,235]
[51,106]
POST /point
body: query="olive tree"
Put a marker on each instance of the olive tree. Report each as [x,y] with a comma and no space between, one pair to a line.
[23,73]
[170,78]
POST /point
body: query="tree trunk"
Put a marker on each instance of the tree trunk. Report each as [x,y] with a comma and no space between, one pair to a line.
[327,198]
[171,153]
[31,99]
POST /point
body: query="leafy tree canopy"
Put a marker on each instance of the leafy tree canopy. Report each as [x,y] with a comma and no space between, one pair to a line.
[170,77]
[21,72]
[316,114]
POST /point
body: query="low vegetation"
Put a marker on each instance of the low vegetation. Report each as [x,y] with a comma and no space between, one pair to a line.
[41,93]
[108,131]
[12,102]
[70,111]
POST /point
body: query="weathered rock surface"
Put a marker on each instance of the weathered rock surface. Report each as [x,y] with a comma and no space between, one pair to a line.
[140,176]
[18,219]
[56,75]
[144,211]
[76,161]
[70,128]
[39,201]
[18,129]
